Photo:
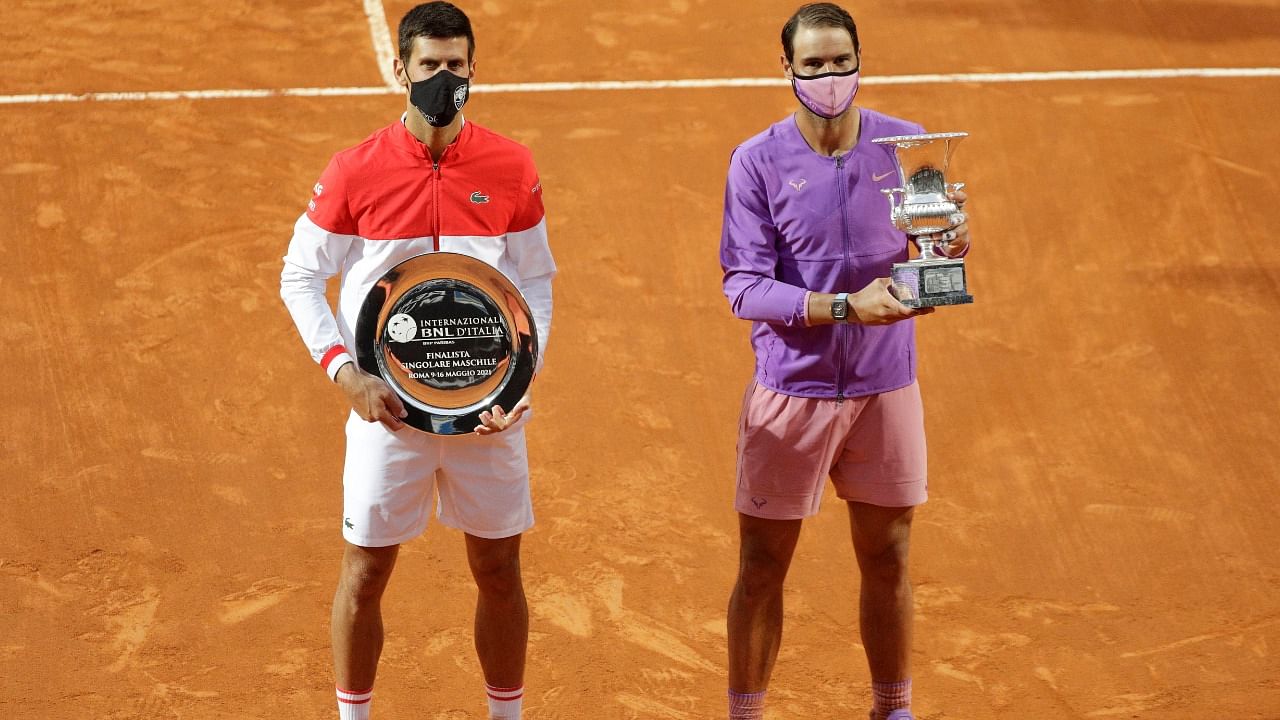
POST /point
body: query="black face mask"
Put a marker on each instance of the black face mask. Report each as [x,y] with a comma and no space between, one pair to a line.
[439,97]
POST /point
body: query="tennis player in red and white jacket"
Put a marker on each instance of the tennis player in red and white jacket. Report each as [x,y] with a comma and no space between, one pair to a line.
[387,200]
[428,182]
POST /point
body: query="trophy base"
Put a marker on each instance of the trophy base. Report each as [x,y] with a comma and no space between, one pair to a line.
[937,301]
[930,283]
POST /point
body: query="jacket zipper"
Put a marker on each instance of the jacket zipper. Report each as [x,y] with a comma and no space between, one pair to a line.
[435,204]
[842,330]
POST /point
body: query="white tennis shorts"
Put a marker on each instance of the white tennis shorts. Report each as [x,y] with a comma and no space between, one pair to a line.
[480,484]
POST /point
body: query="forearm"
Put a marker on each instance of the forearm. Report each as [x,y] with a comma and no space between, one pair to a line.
[819,309]
[749,252]
[314,256]
[303,295]
[763,299]
[537,294]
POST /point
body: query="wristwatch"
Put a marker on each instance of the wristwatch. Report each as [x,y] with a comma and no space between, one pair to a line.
[840,308]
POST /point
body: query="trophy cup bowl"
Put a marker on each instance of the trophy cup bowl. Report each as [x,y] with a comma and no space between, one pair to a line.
[920,206]
[452,336]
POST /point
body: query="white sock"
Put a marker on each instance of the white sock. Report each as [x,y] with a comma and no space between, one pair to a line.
[504,703]
[354,705]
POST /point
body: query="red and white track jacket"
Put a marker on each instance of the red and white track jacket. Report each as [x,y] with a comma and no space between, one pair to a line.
[384,201]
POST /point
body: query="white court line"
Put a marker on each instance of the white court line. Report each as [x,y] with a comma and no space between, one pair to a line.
[1151,74]
[382,46]
[954,78]
[189,95]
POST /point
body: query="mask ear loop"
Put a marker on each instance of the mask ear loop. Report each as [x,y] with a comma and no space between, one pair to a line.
[808,89]
[834,73]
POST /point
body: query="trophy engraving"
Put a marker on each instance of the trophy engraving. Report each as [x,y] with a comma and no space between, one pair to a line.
[920,207]
[452,336]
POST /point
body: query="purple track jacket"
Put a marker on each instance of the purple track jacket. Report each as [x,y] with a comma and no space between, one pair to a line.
[797,221]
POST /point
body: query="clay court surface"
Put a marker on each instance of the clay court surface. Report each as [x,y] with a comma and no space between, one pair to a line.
[1101,539]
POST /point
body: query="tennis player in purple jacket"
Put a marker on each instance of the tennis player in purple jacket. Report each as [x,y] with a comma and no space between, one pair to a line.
[806,250]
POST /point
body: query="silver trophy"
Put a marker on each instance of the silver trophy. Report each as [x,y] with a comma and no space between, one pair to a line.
[452,336]
[920,207]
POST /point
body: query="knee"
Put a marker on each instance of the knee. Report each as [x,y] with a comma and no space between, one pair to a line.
[363,581]
[886,564]
[496,573]
[761,574]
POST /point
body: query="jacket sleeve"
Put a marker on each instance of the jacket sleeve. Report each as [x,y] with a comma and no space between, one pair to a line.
[321,239]
[537,293]
[528,246]
[748,252]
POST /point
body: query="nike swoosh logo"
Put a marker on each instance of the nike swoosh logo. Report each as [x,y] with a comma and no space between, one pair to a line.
[878,178]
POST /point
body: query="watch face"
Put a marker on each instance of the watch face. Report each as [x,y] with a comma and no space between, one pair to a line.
[839,310]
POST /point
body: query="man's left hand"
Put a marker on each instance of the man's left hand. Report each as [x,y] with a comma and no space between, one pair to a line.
[495,420]
[953,242]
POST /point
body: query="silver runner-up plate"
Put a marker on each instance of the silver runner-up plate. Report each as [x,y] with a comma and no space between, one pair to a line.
[452,336]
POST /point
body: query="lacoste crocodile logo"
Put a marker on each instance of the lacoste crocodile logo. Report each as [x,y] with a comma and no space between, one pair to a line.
[479,198]
[797,184]
[346,522]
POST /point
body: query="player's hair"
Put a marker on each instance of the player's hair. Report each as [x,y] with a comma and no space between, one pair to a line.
[817,15]
[434,20]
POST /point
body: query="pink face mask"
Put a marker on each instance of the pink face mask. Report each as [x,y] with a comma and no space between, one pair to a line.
[828,95]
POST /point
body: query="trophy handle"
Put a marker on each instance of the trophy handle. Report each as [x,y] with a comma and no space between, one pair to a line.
[955,187]
[894,204]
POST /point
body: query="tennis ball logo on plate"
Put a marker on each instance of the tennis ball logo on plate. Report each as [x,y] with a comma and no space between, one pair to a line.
[402,328]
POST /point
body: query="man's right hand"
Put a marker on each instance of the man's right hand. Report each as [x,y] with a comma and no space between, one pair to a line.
[370,397]
[875,304]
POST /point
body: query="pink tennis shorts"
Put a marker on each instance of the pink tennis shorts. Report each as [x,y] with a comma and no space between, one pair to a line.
[872,447]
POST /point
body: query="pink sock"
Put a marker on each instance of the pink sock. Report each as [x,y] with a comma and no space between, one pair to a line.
[889,696]
[746,706]
[354,705]
[504,703]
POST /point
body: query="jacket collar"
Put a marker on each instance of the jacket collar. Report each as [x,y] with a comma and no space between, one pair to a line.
[403,139]
[792,136]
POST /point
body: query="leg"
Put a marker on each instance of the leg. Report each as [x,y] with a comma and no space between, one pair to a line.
[502,614]
[357,614]
[755,608]
[882,473]
[881,539]
[785,448]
